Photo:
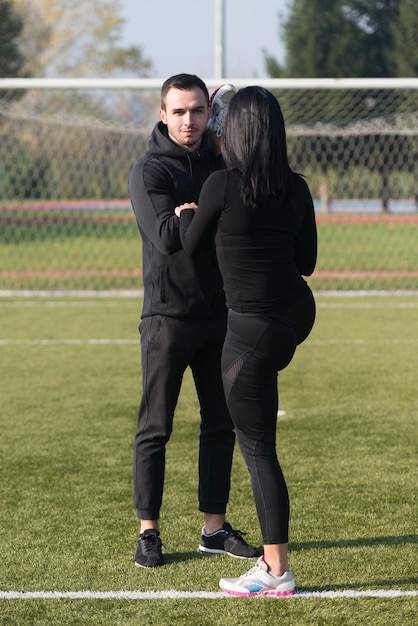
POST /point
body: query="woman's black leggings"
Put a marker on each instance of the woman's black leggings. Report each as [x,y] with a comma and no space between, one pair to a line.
[255,349]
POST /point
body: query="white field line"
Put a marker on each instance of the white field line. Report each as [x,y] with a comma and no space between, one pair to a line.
[360,342]
[210,595]
[69,342]
[135,342]
[113,301]
[59,303]
[380,304]
[138,293]
[29,293]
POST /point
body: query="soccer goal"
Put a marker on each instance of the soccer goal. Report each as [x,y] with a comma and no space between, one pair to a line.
[67,146]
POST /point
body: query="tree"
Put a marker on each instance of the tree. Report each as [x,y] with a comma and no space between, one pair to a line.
[376,19]
[352,38]
[348,38]
[405,51]
[321,42]
[78,38]
[11,57]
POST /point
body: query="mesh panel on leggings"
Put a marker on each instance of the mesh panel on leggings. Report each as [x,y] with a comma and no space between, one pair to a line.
[230,375]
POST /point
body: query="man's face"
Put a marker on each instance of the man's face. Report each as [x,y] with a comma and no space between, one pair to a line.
[186,114]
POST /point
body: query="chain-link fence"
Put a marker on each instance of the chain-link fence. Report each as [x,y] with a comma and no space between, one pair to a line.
[65,156]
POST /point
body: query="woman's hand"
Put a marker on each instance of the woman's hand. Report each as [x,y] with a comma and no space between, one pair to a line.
[186,205]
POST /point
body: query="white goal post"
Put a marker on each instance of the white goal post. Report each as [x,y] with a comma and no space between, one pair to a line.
[212,83]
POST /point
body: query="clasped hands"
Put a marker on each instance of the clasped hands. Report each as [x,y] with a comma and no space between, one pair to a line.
[186,205]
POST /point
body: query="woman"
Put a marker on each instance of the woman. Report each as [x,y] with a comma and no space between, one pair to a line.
[262,217]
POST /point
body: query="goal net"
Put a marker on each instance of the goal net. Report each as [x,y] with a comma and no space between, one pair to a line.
[67,146]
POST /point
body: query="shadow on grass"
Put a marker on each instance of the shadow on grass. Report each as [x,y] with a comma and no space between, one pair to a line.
[181,557]
[355,543]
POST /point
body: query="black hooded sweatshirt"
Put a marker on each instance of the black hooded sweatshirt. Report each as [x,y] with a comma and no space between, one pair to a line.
[175,284]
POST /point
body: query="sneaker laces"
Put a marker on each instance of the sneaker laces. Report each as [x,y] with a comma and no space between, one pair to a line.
[254,570]
[238,535]
[152,542]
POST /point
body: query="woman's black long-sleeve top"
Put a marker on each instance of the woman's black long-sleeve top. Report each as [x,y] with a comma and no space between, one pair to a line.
[262,252]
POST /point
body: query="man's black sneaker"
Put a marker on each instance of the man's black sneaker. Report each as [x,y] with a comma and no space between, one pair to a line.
[149,552]
[226,540]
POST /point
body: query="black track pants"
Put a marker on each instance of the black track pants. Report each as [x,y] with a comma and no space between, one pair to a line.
[168,347]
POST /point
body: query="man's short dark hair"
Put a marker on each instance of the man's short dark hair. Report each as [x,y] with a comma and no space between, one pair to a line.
[185,82]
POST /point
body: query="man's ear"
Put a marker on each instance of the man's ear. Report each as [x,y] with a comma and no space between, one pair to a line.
[163,116]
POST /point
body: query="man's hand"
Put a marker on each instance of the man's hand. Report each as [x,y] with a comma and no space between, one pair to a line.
[186,205]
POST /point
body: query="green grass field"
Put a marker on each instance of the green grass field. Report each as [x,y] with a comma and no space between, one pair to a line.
[70,386]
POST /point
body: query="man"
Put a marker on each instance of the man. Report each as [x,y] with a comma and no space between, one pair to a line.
[183,320]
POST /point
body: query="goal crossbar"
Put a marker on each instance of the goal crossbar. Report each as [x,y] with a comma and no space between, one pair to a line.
[155,83]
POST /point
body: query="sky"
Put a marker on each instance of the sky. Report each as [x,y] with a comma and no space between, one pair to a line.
[179,35]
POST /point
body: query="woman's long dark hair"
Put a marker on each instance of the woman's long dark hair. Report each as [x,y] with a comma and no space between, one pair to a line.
[254,143]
